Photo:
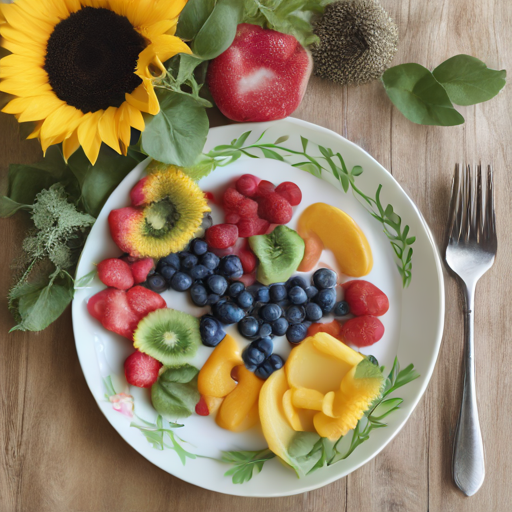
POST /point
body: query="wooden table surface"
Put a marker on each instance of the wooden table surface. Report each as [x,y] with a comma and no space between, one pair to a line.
[59,454]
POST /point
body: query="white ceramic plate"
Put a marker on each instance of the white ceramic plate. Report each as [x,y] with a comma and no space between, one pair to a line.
[413,325]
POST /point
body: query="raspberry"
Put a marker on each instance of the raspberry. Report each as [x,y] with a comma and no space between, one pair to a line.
[247,185]
[275,208]
[231,198]
[141,370]
[115,273]
[247,208]
[264,188]
[290,192]
[221,236]
[231,217]
[251,227]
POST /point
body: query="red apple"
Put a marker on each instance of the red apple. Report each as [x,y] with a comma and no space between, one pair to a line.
[262,76]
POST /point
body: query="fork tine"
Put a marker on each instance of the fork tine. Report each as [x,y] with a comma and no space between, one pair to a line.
[479,213]
[466,203]
[455,218]
[490,221]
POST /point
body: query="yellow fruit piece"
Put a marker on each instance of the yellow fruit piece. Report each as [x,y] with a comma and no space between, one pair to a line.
[308,367]
[305,398]
[215,376]
[341,235]
[213,403]
[239,410]
[300,420]
[276,429]
[333,347]
[348,405]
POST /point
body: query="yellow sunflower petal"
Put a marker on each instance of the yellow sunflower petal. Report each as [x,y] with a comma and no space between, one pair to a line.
[137,12]
[34,108]
[38,11]
[159,28]
[34,74]
[98,4]
[21,61]
[166,46]
[123,127]
[134,117]
[19,88]
[37,131]
[73,5]
[160,10]
[144,98]
[58,125]
[36,40]
[107,129]
[59,8]
[89,136]
[70,145]
[20,49]
[17,19]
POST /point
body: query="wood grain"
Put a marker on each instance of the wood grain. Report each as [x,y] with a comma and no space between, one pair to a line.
[59,454]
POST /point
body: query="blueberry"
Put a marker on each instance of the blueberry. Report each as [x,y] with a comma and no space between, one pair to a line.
[248,327]
[228,312]
[181,282]
[157,283]
[199,294]
[280,326]
[245,300]
[270,312]
[313,312]
[252,357]
[217,284]
[311,291]
[265,330]
[326,299]
[198,272]
[210,260]
[264,345]
[231,267]
[211,331]
[297,281]
[373,360]
[187,260]
[173,260]
[295,315]
[296,333]
[262,295]
[167,272]
[284,304]
[297,295]
[213,298]
[198,246]
[277,292]
[235,289]
[324,278]
[269,366]
[341,308]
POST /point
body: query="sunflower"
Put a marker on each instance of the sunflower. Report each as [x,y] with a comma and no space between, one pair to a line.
[83,70]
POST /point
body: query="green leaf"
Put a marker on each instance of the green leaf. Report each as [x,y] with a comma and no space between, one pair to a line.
[175,392]
[357,170]
[204,165]
[219,30]
[419,96]
[246,463]
[468,81]
[9,207]
[367,370]
[177,134]
[302,443]
[281,139]
[386,407]
[270,153]
[193,17]
[86,280]
[41,304]
[241,140]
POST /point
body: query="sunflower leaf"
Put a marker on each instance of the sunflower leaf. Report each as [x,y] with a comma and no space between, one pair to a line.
[177,134]
[193,17]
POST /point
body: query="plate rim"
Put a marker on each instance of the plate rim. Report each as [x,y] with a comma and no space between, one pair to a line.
[412,404]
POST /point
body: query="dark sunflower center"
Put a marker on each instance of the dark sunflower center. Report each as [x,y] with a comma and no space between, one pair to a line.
[91,58]
[161,218]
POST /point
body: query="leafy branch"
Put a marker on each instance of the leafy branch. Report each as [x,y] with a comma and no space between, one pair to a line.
[245,464]
[332,163]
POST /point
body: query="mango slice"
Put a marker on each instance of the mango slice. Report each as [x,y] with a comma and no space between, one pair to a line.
[215,376]
[239,410]
[301,420]
[305,398]
[339,233]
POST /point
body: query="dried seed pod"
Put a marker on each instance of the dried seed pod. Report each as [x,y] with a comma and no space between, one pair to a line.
[358,39]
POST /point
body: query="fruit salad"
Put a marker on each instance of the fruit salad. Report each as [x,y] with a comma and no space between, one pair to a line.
[253,280]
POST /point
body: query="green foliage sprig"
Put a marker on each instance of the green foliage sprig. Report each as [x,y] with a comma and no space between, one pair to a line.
[317,164]
[426,97]
[246,464]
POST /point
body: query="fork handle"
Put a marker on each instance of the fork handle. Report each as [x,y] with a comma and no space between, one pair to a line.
[468,449]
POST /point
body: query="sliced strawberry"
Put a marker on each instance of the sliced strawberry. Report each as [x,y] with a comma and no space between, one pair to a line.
[264,188]
[122,223]
[141,268]
[247,279]
[251,227]
[362,331]
[247,208]
[248,259]
[118,316]
[248,185]
[231,198]
[141,370]
[143,301]
[290,191]
[97,303]
[137,195]
[222,252]
[364,298]
[115,273]
[202,407]
[275,208]
[231,217]
[221,236]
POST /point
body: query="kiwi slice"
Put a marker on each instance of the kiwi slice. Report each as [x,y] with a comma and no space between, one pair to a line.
[170,336]
[279,252]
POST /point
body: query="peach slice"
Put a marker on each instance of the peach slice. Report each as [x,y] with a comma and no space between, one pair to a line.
[339,233]
[305,398]
[215,376]
[312,252]
[300,420]
[239,410]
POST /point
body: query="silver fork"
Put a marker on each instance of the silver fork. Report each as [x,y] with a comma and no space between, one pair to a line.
[470,252]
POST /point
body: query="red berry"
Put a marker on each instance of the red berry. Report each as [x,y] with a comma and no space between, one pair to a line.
[143,301]
[247,208]
[137,195]
[140,269]
[362,331]
[251,227]
[221,236]
[248,259]
[202,407]
[231,217]
[97,303]
[248,280]
[116,314]
[115,273]
[210,197]
[364,298]
[290,192]
[141,370]
[231,198]
[265,187]
[222,252]
[275,208]
[247,185]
